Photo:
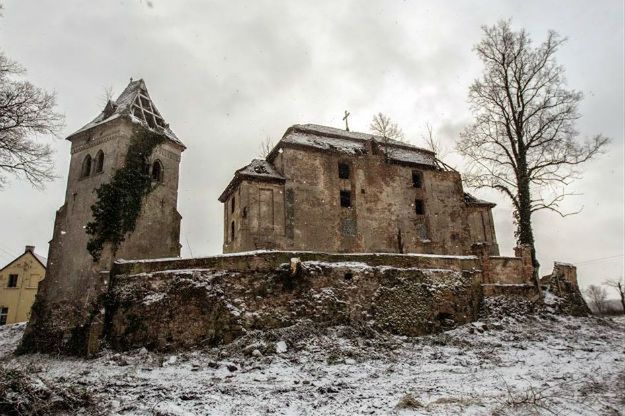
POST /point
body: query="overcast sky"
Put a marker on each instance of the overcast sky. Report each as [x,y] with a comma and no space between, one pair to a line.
[225,75]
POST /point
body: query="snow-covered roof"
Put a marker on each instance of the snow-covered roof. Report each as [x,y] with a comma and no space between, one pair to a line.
[257,169]
[135,104]
[349,142]
[471,200]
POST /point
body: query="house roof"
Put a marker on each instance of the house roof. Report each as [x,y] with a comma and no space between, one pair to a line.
[42,260]
[135,104]
[471,200]
[257,169]
[333,139]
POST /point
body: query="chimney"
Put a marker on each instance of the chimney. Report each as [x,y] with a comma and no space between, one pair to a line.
[29,248]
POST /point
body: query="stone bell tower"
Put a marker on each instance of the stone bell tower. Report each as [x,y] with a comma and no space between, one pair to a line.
[68,308]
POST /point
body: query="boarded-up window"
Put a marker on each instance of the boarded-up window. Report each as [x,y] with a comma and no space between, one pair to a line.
[422,232]
[266,208]
[348,227]
[290,213]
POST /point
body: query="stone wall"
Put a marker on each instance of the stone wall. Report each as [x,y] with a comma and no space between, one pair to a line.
[165,310]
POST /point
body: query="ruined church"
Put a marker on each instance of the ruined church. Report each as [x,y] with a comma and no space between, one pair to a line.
[336,227]
[331,190]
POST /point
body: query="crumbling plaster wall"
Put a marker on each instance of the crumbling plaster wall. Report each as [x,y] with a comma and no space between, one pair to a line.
[382,216]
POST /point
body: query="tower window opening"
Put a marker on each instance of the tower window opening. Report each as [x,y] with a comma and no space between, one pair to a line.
[157,171]
[99,162]
[86,167]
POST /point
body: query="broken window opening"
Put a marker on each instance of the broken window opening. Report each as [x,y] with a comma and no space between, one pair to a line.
[4,313]
[343,171]
[417,179]
[346,199]
[419,207]
[232,202]
[232,231]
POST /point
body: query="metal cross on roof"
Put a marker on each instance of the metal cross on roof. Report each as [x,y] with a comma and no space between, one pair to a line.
[345,118]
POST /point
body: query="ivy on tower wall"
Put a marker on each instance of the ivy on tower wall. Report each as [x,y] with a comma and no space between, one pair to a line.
[118,203]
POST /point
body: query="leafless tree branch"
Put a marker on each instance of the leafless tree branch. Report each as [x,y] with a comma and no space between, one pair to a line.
[25,111]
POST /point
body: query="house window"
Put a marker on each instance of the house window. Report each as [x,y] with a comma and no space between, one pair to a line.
[419,207]
[12,280]
[343,171]
[232,231]
[86,167]
[157,171]
[346,199]
[232,201]
[417,179]
[3,315]
[99,162]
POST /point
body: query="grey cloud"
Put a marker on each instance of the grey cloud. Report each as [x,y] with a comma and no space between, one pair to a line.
[227,74]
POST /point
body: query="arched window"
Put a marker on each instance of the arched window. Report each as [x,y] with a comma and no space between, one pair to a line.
[86,167]
[99,162]
[157,171]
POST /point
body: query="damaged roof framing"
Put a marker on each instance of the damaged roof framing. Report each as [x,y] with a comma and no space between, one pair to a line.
[135,104]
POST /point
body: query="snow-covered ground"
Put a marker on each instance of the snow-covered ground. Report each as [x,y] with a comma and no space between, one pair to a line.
[518,364]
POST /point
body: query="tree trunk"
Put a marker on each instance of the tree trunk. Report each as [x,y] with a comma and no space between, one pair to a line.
[525,232]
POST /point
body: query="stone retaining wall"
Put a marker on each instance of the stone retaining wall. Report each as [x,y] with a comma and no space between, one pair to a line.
[183,308]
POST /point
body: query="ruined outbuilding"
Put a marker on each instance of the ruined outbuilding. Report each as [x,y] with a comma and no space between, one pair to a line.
[68,296]
[331,190]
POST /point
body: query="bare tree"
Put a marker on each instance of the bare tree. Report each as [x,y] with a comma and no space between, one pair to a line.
[390,132]
[25,111]
[619,286]
[383,126]
[523,140]
[107,95]
[597,297]
[266,146]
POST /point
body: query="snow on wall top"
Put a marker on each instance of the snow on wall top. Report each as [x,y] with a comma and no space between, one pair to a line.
[135,104]
[349,142]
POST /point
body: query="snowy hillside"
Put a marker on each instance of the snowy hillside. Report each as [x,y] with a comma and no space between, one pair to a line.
[518,364]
